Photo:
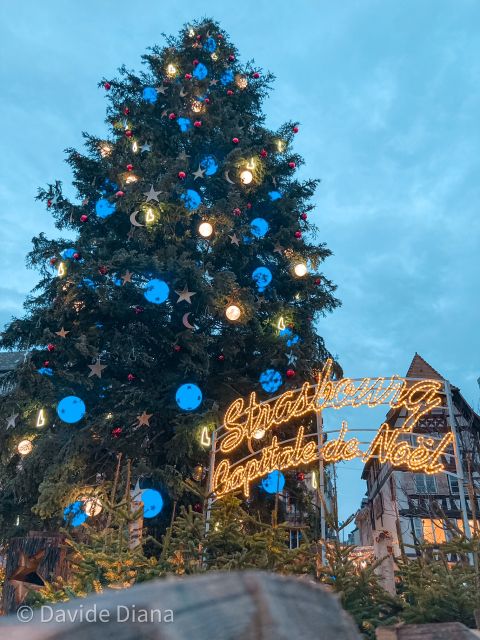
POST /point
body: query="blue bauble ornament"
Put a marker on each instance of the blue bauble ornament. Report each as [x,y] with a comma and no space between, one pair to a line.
[75,514]
[209,45]
[104,208]
[185,124]
[156,291]
[45,371]
[188,397]
[271,380]
[71,409]
[67,254]
[226,77]
[152,502]
[274,195]
[87,282]
[259,227]
[262,277]
[209,165]
[150,94]
[274,482]
[200,72]
[191,199]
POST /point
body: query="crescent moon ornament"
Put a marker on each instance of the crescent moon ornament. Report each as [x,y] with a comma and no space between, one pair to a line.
[183,93]
[227,177]
[134,220]
[185,321]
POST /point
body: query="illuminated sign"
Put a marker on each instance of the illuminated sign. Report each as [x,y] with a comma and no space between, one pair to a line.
[244,420]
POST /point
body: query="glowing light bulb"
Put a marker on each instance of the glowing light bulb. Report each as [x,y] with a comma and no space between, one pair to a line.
[251,164]
[259,433]
[214,55]
[246,176]
[241,81]
[280,146]
[314,480]
[135,146]
[197,106]
[171,70]
[205,439]
[300,269]
[281,324]
[92,506]
[61,270]
[105,149]
[205,229]
[150,217]
[109,416]
[191,32]
[24,447]
[233,312]
[131,177]
[41,418]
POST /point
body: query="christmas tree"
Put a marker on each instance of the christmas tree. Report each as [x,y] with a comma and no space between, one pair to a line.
[193,277]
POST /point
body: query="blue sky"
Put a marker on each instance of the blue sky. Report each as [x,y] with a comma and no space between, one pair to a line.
[388,96]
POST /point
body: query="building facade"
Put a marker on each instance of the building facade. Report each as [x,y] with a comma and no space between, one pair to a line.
[408,508]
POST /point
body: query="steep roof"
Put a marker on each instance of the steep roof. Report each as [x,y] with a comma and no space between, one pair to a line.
[419,368]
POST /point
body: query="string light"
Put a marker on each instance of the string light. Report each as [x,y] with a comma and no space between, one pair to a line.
[205,229]
[134,146]
[41,418]
[300,269]
[214,55]
[241,81]
[105,149]
[233,312]
[92,506]
[259,434]
[246,176]
[191,32]
[314,480]
[197,106]
[280,145]
[24,447]
[205,439]
[61,271]
[281,324]
[171,70]
[243,418]
[149,216]
[130,178]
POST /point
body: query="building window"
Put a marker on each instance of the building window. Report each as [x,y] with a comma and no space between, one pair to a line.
[425,483]
[453,482]
[433,531]
[417,529]
[295,538]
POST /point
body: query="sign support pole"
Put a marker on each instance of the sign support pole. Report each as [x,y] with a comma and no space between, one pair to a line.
[321,482]
[458,460]
[211,468]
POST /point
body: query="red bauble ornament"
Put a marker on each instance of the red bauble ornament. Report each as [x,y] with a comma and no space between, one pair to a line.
[129,167]
[197,123]
[295,129]
[102,270]
[290,373]
[49,203]
[235,140]
[120,194]
[83,217]
[195,62]
[117,432]
[76,256]
[177,348]
[130,377]
[249,205]
[126,111]
[237,212]
[172,116]
[231,57]
[304,216]
[50,347]
[46,363]
[107,85]
[317,281]
[221,357]
[229,92]
[300,476]
[292,165]
[182,175]
[255,75]
[188,76]
[263,153]
[199,37]
[207,100]
[138,309]
[197,507]
[129,133]
[53,260]
[298,234]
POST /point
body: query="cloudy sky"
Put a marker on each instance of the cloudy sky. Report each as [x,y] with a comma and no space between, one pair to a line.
[388,96]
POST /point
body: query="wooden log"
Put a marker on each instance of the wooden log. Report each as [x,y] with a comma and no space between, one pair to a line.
[247,605]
